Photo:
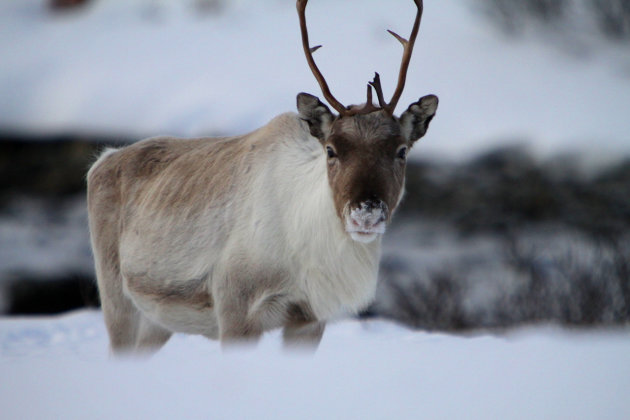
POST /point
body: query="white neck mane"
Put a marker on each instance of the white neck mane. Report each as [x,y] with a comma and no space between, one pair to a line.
[335,273]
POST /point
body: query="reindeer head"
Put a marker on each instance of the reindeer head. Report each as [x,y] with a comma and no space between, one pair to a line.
[366,146]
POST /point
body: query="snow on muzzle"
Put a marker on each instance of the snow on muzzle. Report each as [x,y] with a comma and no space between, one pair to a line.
[365,222]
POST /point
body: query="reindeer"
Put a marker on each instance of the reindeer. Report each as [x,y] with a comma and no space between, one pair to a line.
[231,237]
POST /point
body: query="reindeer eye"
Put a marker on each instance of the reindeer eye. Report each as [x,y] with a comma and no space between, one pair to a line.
[402,153]
[330,152]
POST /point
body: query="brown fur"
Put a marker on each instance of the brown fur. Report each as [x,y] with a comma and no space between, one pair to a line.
[166,213]
[366,167]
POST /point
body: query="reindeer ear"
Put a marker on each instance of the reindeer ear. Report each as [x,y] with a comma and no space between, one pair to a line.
[316,114]
[414,122]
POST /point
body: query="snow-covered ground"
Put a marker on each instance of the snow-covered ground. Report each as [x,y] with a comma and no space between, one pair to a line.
[59,368]
[147,67]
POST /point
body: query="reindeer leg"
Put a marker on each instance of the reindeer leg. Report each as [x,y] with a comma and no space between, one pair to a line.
[236,326]
[302,329]
[306,335]
[236,329]
[151,337]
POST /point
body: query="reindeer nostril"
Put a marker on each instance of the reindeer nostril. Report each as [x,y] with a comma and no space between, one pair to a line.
[372,203]
[368,214]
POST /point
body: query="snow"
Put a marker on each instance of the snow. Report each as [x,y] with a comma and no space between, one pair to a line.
[147,67]
[366,222]
[58,367]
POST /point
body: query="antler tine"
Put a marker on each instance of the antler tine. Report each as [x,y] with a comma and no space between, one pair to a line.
[376,84]
[407,50]
[308,51]
[368,107]
[400,39]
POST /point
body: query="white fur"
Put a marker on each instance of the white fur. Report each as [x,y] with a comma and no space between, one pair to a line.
[340,274]
[104,154]
[277,237]
[303,232]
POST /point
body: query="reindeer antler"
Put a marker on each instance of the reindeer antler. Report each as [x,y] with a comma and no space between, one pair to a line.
[374,84]
[404,65]
[308,51]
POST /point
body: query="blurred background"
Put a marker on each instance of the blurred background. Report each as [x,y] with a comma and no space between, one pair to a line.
[518,199]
